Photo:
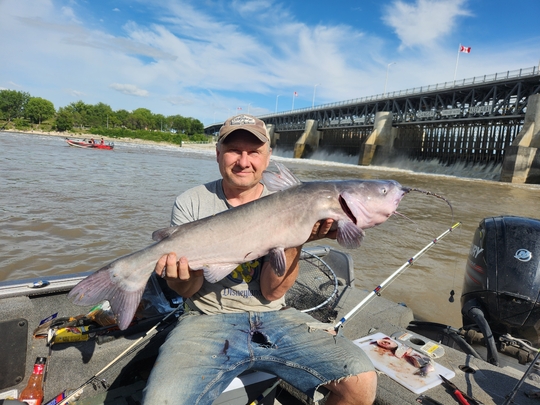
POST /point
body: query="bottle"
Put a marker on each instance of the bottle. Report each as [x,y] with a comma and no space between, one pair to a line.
[33,394]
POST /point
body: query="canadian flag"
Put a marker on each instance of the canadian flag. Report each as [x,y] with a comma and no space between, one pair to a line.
[465,49]
[295,94]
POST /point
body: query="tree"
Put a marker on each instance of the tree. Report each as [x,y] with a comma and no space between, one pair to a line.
[38,110]
[189,126]
[13,103]
[196,126]
[64,119]
[98,115]
[160,122]
[142,118]
[80,112]
[122,117]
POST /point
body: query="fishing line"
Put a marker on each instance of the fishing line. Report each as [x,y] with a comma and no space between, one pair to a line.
[379,288]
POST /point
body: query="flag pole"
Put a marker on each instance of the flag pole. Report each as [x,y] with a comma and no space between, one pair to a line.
[457,60]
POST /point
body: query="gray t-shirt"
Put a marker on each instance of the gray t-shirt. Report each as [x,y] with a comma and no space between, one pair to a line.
[240,291]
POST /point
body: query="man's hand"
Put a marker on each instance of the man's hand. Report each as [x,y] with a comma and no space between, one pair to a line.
[322,229]
[178,275]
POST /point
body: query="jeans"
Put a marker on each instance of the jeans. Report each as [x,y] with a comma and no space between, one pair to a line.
[204,353]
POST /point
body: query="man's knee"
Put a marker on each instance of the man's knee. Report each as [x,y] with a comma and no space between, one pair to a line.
[359,389]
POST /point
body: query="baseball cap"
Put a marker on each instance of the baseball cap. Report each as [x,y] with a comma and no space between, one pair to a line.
[246,122]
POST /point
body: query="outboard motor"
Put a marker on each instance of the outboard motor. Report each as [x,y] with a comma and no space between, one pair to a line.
[501,289]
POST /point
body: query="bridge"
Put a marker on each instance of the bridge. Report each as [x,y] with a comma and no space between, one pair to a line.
[481,120]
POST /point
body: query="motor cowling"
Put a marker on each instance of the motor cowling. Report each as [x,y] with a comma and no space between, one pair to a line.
[502,277]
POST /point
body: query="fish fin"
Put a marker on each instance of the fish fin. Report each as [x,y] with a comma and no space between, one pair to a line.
[349,235]
[163,233]
[278,260]
[100,286]
[216,272]
[281,180]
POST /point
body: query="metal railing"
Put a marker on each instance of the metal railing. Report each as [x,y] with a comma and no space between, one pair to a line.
[491,78]
[532,71]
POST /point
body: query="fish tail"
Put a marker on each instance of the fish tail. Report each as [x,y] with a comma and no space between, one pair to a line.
[100,286]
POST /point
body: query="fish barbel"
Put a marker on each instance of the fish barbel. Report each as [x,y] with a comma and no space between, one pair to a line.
[267,226]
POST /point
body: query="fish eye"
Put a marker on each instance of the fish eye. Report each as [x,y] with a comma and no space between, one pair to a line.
[384,191]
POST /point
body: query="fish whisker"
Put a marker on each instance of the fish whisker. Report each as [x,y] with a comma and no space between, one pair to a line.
[399,214]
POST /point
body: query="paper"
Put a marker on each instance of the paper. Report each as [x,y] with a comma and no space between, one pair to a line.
[400,370]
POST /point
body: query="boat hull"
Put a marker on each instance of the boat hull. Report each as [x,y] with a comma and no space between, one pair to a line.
[89,145]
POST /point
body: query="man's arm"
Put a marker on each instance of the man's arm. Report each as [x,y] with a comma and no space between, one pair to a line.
[274,287]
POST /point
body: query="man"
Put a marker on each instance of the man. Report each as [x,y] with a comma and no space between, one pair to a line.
[241,322]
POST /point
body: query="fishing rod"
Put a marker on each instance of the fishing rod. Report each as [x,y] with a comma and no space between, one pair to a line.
[80,390]
[379,288]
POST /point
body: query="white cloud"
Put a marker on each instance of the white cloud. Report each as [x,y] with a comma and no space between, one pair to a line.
[129,89]
[424,22]
[204,62]
[75,93]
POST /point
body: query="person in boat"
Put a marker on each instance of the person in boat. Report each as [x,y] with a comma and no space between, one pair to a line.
[102,142]
[92,141]
[242,321]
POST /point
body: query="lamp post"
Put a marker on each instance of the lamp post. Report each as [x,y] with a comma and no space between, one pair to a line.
[386,81]
[249,105]
[313,101]
[277,98]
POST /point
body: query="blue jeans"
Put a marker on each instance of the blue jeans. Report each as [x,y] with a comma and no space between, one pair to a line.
[204,353]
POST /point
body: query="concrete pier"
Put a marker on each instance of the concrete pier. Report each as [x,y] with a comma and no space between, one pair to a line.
[381,139]
[310,139]
[522,159]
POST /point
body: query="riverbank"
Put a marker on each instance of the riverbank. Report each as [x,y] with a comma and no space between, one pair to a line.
[194,145]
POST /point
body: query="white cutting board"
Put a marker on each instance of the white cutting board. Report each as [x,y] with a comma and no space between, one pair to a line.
[401,370]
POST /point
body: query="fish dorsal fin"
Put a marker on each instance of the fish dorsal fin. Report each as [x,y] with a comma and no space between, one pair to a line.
[163,233]
[281,180]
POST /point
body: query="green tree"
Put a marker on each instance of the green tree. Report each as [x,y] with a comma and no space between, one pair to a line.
[178,123]
[98,115]
[64,119]
[121,118]
[195,126]
[189,126]
[142,118]
[160,122]
[80,112]
[38,110]
[13,103]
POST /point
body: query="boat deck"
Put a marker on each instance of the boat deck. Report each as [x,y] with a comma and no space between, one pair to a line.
[70,365]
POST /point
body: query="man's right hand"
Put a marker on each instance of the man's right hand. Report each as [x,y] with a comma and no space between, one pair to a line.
[178,275]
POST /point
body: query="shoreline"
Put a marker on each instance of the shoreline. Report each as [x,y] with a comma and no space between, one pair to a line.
[187,145]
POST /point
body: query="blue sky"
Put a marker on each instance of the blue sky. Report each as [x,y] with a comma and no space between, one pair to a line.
[210,59]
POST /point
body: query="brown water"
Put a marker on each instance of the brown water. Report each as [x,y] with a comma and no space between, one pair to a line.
[66,210]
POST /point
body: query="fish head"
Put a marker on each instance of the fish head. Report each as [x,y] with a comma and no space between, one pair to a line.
[371,202]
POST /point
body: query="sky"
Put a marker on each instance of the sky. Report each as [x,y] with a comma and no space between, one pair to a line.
[210,59]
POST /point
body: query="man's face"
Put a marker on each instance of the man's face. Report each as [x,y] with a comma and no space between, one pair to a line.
[242,159]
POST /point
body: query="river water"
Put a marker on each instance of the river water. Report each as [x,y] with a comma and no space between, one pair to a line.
[66,210]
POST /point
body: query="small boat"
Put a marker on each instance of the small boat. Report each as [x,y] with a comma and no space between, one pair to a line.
[104,365]
[89,144]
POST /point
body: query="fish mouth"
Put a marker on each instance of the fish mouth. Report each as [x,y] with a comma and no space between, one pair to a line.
[347,210]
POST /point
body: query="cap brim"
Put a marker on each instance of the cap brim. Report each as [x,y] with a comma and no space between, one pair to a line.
[261,137]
